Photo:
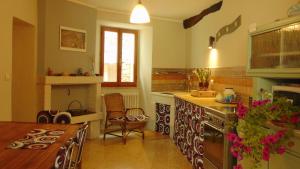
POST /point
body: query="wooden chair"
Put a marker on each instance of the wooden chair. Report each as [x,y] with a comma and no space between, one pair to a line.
[119,119]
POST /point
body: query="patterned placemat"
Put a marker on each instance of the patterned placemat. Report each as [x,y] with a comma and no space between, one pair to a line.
[37,139]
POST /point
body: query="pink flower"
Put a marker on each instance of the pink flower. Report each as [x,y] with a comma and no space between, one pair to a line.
[240,157]
[267,140]
[234,152]
[281,150]
[271,139]
[260,102]
[266,153]
[239,166]
[231,136]
[280,133]
[295,119]
[273,108]
[235,139]
[247,149]
[242,111]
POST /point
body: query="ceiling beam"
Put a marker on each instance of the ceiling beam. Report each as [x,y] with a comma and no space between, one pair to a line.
[187,23]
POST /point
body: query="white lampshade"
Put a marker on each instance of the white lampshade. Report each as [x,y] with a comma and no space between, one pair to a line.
[139,14]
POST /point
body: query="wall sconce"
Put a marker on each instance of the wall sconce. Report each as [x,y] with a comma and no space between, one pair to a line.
[212,42]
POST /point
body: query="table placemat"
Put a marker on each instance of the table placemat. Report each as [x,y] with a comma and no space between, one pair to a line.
[37,139]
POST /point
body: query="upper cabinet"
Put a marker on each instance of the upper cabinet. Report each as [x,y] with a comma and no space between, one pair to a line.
[275,49]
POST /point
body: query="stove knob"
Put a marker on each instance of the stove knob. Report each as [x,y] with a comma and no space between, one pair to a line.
[223,124]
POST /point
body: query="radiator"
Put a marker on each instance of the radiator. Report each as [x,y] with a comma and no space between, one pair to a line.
[131,100]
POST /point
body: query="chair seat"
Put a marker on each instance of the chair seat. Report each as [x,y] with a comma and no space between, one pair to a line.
[117,120]
[130,125]
[137,118]
[136,122]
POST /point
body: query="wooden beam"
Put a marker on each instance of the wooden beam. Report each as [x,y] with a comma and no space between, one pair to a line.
[187,23]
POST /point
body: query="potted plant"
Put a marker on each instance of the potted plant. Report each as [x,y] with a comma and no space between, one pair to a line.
[203,75]
[256,142]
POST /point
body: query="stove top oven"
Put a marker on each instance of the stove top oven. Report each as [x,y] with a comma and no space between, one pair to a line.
[290,92]
[216,147]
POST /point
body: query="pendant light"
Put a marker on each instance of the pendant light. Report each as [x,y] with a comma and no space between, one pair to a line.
[139,14]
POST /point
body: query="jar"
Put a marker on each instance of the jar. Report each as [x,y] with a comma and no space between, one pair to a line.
[229,95]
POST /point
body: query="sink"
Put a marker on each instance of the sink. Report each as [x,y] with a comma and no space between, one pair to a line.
[168,93]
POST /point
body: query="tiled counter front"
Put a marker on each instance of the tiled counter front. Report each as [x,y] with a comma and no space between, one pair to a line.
[189,131]
[162,124]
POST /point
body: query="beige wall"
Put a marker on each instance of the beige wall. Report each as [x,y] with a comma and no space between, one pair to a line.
[232,48]
[26,11]
[52,15]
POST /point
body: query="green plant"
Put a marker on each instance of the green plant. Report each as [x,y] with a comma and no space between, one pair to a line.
[256,142]
[203,74]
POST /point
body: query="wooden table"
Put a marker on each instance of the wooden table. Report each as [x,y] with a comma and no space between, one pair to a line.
[29,158]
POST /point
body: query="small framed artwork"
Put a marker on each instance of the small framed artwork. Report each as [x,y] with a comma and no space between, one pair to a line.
[73,39]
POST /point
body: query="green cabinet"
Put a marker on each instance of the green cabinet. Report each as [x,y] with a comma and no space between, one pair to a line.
[274,49]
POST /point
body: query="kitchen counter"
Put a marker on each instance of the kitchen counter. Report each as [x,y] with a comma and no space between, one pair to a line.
[201,101]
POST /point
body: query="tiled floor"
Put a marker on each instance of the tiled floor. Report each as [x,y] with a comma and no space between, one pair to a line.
[155,152]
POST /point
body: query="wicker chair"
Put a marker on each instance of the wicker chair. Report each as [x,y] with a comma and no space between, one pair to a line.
[120,119]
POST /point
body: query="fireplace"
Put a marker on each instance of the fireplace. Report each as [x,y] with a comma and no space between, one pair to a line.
[90,85]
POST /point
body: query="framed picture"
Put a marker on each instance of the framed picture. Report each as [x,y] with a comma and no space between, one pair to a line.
[72,39]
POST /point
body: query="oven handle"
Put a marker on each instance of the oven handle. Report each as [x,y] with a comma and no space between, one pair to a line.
[214,127]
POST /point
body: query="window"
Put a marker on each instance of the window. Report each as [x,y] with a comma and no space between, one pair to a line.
[118,57]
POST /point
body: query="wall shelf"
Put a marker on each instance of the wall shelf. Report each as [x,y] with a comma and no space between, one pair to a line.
[72,80]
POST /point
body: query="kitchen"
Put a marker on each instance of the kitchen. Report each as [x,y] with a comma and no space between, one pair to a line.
[249,47]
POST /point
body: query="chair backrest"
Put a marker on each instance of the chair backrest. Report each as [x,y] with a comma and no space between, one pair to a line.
[65,156]
[114,105]
[80,141]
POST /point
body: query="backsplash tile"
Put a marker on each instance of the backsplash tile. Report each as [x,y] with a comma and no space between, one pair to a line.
[168,79]
[227,77]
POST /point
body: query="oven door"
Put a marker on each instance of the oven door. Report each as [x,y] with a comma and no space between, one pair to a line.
[213,147]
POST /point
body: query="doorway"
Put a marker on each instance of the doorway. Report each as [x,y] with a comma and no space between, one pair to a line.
[23,71]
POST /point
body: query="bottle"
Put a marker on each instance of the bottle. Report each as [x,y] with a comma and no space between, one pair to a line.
[229,95]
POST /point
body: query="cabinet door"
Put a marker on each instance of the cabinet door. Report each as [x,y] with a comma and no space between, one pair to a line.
[248,164]
[286,161]
[265,50]
[291,46]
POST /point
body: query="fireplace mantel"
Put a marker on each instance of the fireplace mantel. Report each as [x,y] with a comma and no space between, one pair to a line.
[72,80]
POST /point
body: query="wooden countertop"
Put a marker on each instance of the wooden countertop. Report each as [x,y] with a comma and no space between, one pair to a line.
[201,101]
[29,158]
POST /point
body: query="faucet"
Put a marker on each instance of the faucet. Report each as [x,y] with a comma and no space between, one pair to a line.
[188,83]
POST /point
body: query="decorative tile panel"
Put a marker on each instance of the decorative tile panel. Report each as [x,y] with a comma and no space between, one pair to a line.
[162,124]
[189,131]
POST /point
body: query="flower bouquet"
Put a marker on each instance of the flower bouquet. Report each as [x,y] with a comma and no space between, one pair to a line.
[256,142]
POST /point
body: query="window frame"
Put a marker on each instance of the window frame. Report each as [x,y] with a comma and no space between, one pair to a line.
[119,53]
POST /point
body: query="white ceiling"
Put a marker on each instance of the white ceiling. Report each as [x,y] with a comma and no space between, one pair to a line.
[173,9]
